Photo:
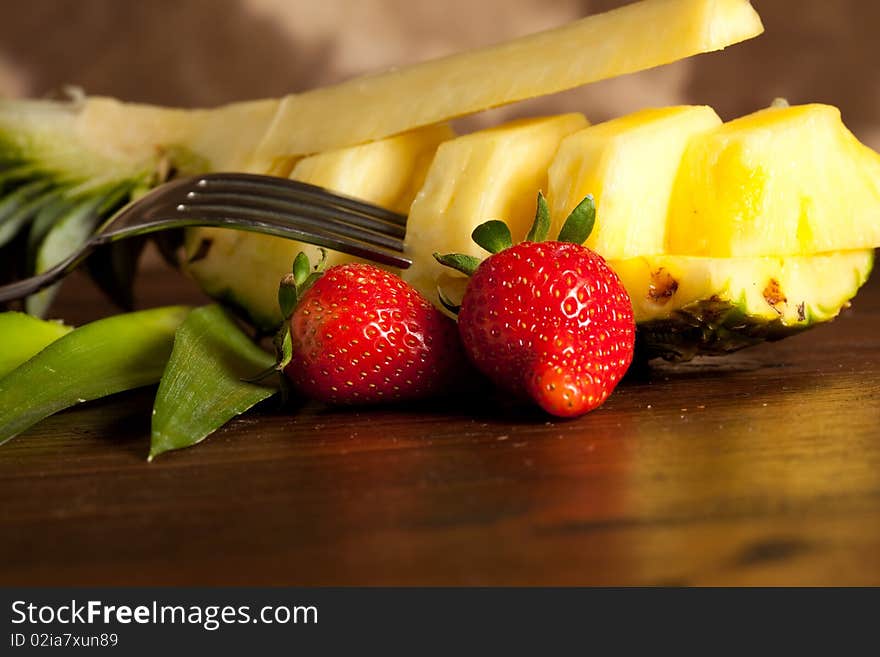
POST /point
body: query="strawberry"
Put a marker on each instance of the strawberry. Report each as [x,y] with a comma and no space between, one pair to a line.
[548,321]
[358,334]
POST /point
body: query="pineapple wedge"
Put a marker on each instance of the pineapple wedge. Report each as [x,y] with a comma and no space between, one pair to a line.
[490,174]
[244,269]
[261,136]
[781,181]
[686,306]
[632,38]
[629,166]
[195,141]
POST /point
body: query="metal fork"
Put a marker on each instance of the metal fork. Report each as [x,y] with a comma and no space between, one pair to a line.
[260,204]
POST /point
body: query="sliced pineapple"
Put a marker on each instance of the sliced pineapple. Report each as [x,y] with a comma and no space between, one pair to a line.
[629,166]
[195,141]
[686,306]
[632,38]
[490,174]
[49,138]
[258,135]
[782,181]
[244,268]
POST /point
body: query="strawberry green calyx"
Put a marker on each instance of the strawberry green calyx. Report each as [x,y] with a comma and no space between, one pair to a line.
[297,283]
[290,290]
[580,222]
[541,226]
[494,235]
[466,264]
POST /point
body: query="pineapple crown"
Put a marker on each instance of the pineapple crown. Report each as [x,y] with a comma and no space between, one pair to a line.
[494,236]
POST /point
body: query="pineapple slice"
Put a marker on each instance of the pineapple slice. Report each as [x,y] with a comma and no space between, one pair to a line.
[49,137]
[629,166]
[686,306]
[638,36]
[259,136]
[782,181]
[196,141]
[244,268]
[490,174]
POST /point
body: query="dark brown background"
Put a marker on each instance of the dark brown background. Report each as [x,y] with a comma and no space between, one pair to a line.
[763,468]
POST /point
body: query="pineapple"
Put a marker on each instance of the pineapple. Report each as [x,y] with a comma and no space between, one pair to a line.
[56,188]
[490,174]
[629,165]
[66,166]
[625,40]
[686,306]
[723,234]
[243,269]
[782,181]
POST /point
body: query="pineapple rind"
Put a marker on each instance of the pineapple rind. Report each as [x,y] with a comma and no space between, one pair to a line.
[720,305]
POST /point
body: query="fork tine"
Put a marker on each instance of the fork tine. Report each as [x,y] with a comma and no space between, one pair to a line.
[313,219]
[292,206]
[262,185]
[331,236]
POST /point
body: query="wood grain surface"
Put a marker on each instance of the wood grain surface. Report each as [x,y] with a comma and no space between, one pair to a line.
[761,468]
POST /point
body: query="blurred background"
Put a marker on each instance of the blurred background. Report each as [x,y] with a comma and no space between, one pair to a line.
[208,52]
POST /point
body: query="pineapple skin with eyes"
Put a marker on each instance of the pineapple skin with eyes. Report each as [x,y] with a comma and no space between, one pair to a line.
[244,269]
[629,165]
[490,174]
[781,181]
[685,306]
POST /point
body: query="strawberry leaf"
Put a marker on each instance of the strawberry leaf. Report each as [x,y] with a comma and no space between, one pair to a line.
[286,351]
[580,222]
[541,226]
[494,236]
[322,263]
[287,293]
[301,268]
[466,264]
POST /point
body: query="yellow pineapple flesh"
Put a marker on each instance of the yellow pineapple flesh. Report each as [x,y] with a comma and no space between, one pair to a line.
[782,181]
[629,166]
[490,174]
[632,38]
[244,268]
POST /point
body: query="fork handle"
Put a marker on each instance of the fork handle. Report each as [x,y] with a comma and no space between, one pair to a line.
[33,284]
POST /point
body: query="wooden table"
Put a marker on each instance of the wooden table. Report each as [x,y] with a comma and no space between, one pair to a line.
[761,468]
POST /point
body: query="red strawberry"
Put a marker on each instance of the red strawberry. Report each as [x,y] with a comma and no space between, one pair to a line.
[361,335]
[549,321]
